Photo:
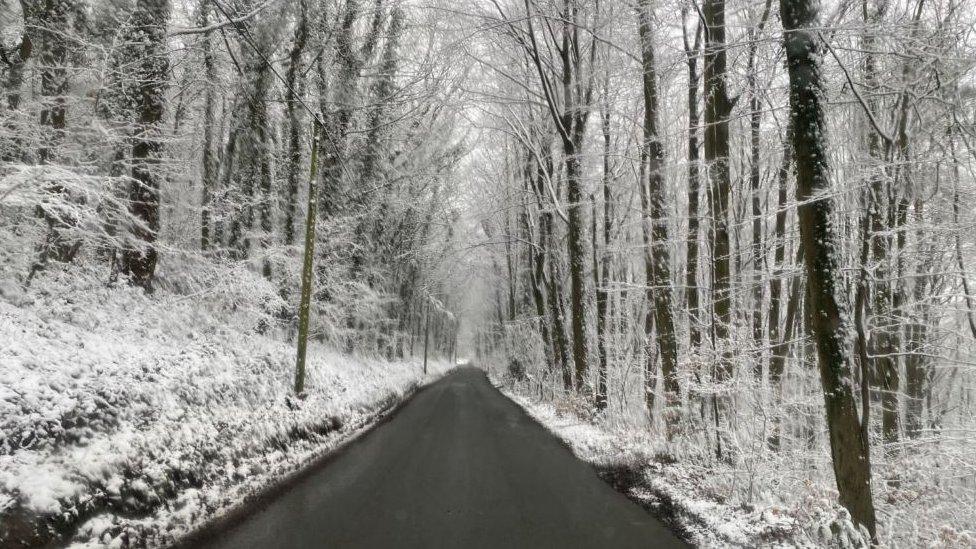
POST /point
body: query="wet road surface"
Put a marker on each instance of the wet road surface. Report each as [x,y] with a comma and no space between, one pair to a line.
[459,466]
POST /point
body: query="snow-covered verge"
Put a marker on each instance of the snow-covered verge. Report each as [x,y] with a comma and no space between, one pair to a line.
[129,420]
[683,495]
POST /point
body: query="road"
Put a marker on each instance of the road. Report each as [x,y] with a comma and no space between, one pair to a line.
[459,466]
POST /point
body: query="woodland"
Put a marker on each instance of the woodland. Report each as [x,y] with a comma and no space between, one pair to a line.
[739,232]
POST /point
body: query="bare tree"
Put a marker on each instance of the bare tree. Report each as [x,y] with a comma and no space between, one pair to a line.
[820,238]
[148,32]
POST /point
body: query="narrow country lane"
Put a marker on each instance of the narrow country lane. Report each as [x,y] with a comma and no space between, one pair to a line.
[460,466]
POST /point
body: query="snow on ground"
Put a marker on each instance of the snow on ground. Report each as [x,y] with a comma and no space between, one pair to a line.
[128,419]
[680,494]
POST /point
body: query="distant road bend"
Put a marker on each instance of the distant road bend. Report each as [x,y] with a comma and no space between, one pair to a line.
[459,466]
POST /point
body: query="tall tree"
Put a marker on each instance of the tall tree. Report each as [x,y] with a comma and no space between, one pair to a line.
[755,126]
[210,168]
[718,107]
[570,110]
[148,51]
[820,239]
[601,268]
[657,261]
[53,21]
[692,51]
[294,88]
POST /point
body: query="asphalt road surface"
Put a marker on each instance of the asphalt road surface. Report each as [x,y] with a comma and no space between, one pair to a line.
[459,466]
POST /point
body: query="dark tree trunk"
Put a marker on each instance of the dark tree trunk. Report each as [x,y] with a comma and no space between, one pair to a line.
[716,150]
[293,93]
[758,256]
[569,115]
[780,343]
[550,278]
[536,274]
[576,249]
[820,240]
[779,339]
[691,265]
[249,158]
[603,264]
[15,60]
[557,308]
[210,168]
[655,225]
[717,110]
[876,297]
[149,23]
[338,111]
[53,18]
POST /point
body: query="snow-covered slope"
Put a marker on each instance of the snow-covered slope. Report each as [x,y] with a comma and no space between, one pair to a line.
[127,418]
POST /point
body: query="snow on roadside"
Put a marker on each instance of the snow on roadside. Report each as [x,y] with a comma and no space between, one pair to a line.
[130,420]
[637,465]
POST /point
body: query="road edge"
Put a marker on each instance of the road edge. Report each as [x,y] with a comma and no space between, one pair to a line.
[257,500]
[623,478]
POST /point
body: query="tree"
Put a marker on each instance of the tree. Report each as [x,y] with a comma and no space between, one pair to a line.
[820,239]
[755,170]
[293,97]
[655,227]
[570,110]
[601,267]
[52,18]
[210,167]
[148,50]
[718,106]
[692,52]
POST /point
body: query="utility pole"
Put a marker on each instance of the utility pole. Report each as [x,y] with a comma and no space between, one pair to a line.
[457,328]
[426,335]
[303,307]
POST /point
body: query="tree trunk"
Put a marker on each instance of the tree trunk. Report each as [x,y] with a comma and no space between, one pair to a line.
[209,172]
[250,161]
[550,278]
[293,92]
[576,251]
[148,23]
[758,256]
[53,18]
[16,60]
[655,225]
[604,262]
[558,310]
[820,240]
[338,111]
[779,350]
[691,265]
[717,109]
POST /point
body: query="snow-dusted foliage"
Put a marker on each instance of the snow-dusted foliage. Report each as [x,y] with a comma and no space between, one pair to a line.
[764,500]
[134,418]
[779,252]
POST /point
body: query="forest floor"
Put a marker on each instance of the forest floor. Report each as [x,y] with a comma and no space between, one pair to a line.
[128,419]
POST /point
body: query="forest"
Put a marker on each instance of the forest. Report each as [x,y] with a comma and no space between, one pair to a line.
[724,245]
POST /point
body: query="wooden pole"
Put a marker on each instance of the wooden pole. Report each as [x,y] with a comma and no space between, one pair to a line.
[426,335]
[303,308]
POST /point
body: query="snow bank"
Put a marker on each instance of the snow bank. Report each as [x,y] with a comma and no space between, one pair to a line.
[131,419]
